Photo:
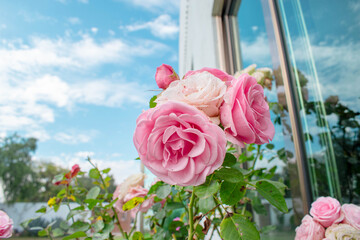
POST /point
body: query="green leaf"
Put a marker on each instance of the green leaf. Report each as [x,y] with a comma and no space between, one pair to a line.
[229,160]
[91,203]
[41,210]
[107,170]
[268,229]
[199,232]
[64,225]
[257,205]
[238,227]
[174,205]
[98,225]
[163,191]
[137,236]
[75,235]
[269,146]
[57,232]
[207,189]
[269,190]
[94,173]
[154,187]
[93,193]
[230,175]
[232,193]
[206,204]
[152,102]
[132,203]
[42,233]
[79,226]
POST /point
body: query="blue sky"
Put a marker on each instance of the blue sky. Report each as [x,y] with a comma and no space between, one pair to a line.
[77,73]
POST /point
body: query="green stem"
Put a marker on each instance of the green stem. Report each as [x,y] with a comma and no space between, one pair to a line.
[101,177]
[119,224]
[256,157]
[191,215]
[135,221]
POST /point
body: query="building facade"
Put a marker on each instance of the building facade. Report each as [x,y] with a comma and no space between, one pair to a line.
[313,48]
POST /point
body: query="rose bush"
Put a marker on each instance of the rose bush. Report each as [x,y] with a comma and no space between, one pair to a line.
[6,225]
[179,144]
[309,230]
[327,211]
[245,113]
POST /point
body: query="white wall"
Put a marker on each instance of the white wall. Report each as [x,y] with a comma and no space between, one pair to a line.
[197,42]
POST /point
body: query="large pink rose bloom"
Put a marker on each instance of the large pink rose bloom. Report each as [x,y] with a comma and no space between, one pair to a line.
[245,113]
[216,72]
[351,215]
[179,144]
[327,211]
[309,230]
[6,225]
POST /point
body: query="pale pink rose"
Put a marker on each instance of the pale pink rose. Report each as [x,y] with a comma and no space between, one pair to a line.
[165,74]
[179,144]
[141,192]
[245,113]
[351,215]
[6,225]
[327,211]
[202,90]
[309,230]
[122,189]
[223,76]
[342,232]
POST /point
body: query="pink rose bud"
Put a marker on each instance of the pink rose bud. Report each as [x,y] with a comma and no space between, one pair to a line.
[309,230]
[6,225]
[165,74]
[352,215]
[327,211]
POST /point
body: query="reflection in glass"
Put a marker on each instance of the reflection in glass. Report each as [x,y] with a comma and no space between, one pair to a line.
[324,50]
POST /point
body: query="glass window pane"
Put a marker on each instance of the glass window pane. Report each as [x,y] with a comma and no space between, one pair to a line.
[324,49]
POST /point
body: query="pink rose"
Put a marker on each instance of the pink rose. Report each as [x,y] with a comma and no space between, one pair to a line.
[6,225]
[245,113]
[327,211]
[223,76]
[342,232]
[351,215]
[309,230]
[165,74]
[179,144]
[139,191]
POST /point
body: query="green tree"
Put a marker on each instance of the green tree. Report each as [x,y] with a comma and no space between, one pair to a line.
[16,171]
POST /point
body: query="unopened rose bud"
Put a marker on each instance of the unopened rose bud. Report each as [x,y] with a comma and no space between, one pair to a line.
[165,74]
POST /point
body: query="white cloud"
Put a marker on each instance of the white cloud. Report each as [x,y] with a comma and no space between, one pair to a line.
[163,27]
[72,138]
[74,20]
[35,82]
[254,28]
[94,30]
[256,51]
[65,53]
[111,32]
[156,5]
[84,154]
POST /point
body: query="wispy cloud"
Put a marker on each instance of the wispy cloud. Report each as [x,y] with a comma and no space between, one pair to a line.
[39,78]
[74,20]
[156,5]
[163,26]
[72,138]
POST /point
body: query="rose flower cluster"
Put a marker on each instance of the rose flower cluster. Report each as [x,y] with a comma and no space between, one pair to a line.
[6,225]
[330,221]
[183,139]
